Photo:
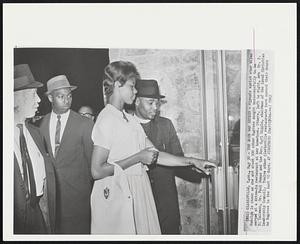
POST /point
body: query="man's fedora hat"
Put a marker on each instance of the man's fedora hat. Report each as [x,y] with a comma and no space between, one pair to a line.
[148,88]
[23,78]
[58,82]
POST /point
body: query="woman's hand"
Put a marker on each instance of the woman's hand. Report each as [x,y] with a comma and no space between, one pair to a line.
[204,165]
[148,156]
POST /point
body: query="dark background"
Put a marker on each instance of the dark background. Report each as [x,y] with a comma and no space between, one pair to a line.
[83,68]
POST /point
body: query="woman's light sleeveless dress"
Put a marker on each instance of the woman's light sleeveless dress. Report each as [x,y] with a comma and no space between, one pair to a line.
[123,136]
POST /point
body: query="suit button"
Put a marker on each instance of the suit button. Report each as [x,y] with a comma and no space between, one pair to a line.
[151,181]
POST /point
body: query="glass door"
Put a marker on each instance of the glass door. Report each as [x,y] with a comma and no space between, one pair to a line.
[221,109]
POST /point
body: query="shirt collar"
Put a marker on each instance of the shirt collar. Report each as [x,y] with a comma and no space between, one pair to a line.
[22,123]
[140,120]
[63,116]
[114,110]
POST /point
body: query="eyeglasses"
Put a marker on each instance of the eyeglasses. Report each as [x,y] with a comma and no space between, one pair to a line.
[86,114]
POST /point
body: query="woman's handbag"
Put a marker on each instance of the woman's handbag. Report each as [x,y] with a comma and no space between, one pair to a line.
[112,205]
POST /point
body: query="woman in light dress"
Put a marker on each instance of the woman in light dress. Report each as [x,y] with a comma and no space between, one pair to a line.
[120,139]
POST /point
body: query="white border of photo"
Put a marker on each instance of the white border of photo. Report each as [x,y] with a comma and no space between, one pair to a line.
[173,26]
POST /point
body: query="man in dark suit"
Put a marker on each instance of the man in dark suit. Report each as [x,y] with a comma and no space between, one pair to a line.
[162,134]
[68,138]
[34,178]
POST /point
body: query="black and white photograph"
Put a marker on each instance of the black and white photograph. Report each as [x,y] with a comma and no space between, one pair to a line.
[201,202]
[124,132]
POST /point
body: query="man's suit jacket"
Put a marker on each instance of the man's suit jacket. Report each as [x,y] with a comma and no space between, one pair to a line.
[47,201]
[73,173]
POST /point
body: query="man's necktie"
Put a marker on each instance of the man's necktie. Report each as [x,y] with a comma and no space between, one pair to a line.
[57,134]
[27,166]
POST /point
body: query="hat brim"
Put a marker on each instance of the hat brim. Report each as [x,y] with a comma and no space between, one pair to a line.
[151,96]
[72,88]
[32,85]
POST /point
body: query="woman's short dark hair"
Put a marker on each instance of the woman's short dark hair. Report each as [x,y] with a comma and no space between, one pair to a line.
[120,71]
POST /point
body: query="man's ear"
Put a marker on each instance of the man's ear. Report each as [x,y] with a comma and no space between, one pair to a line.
[137,101]
[50,98]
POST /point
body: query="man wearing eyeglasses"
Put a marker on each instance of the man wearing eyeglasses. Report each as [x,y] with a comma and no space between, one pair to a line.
[68,138]
[87,111]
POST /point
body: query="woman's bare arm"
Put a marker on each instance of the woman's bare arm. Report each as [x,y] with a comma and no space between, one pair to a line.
[101,169]
[168,159]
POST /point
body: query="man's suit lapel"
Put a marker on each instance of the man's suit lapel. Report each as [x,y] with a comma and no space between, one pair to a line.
[36,137]
[154,131]
[18,179]
[47,136]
